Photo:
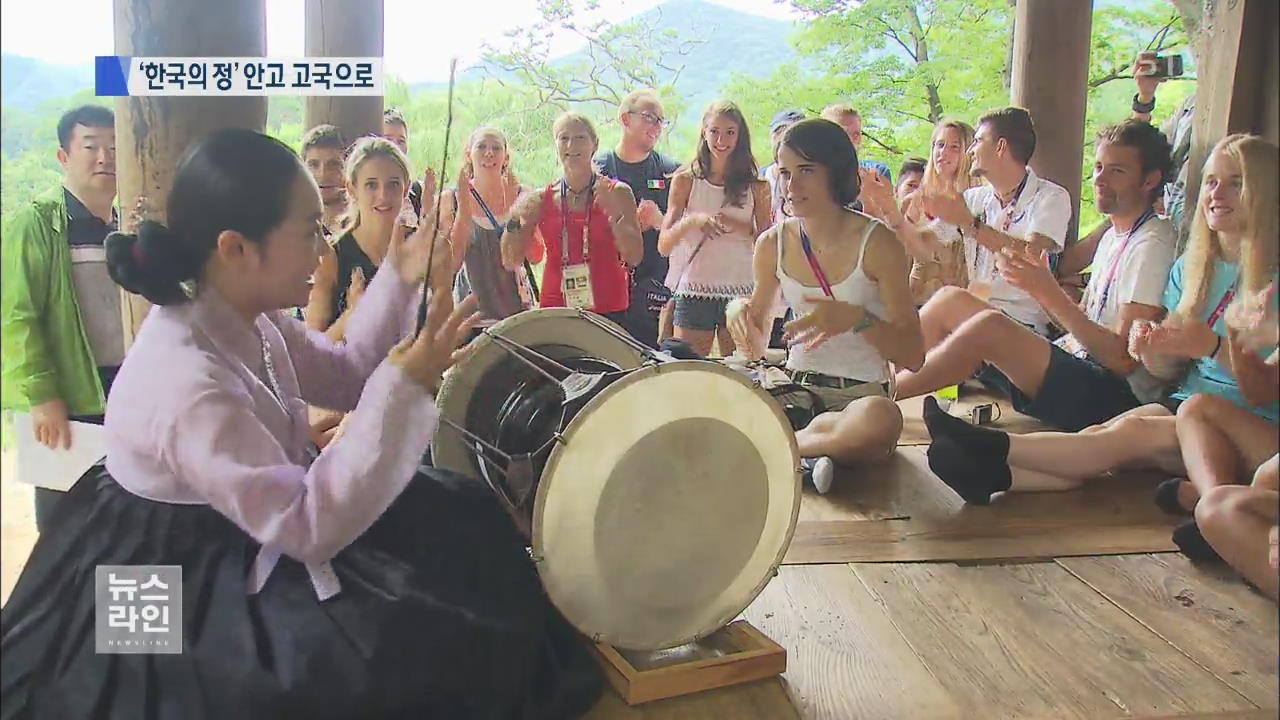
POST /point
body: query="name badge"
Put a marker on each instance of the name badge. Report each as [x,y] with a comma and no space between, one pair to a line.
[577,286]
[658,184]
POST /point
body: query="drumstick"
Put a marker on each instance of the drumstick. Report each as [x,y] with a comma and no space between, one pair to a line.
[440,184]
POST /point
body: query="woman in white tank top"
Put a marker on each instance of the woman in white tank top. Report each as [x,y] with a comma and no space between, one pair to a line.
[845,276]
[717,209]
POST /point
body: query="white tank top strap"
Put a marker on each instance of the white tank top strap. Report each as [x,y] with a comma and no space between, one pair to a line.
[866,240]
[848,355]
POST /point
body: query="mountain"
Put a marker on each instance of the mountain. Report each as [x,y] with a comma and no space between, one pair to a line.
[725,41]
[27,82]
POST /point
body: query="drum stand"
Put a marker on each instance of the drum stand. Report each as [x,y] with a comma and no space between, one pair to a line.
[735,654]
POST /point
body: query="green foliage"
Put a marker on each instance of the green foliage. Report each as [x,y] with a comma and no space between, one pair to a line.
[903,63]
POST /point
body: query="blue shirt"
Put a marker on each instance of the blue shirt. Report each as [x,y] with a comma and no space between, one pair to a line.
[1206,375]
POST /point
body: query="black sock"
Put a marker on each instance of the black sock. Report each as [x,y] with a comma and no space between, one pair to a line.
[1191,542]
[974,475]
[979,440]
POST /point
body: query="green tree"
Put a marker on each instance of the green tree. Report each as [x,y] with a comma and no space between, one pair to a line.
[905,64]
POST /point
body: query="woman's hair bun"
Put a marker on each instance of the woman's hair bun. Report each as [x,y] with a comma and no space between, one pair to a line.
[151,263]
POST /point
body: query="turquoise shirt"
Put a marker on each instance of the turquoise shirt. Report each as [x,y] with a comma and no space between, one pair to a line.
[1206,375]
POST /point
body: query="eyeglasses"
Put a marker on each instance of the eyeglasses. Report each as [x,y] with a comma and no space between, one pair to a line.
[651,118]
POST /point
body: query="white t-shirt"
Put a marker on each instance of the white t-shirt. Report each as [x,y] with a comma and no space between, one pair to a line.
[1130,270]
[1043,208]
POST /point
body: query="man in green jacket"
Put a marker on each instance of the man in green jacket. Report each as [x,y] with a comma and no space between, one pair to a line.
[63,335]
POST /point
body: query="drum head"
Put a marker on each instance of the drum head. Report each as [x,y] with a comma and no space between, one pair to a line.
[668,507]
[556,332]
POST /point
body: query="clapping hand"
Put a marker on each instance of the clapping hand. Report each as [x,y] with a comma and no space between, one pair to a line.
[877,196]
[1029,273]
[426,250]
[949,207]
[425,358]
[1254,321]
[828,319]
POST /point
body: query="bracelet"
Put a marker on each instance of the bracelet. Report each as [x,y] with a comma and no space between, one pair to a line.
[868,320]
[1216,348]
[1141,107]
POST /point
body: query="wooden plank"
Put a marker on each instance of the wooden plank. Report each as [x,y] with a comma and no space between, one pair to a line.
[845,659]
[1261,714]
[763,700]
[1206,612]
[1033,641]
[896,488]
[921,519]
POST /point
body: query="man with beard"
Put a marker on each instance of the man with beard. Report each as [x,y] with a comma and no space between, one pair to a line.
[1087,376]
[63,336]
[647,172]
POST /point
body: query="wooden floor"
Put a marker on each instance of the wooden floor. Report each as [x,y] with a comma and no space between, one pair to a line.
[899,601]
[915,606]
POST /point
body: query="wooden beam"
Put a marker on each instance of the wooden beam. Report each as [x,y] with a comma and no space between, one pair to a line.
[1050,79]
[152,133]
[345,28]
[1236,88]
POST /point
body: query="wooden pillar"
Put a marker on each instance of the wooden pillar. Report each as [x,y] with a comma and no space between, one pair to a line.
[1050,79]
[345,28]
[1236,86]
[153,132]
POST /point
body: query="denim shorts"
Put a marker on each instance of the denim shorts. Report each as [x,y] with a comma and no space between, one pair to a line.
[700,313]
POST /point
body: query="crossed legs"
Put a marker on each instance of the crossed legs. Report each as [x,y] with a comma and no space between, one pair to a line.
[1221,444]
[866,429]
[1240,522]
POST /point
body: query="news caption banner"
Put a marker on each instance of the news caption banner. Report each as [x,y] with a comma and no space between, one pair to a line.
[126,76]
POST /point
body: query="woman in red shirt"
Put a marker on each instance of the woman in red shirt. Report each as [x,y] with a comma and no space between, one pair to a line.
[588,223]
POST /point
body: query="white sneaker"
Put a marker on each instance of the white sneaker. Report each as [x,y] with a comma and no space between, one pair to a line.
[823,473]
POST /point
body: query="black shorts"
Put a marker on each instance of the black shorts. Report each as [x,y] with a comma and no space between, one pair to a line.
[1076,393]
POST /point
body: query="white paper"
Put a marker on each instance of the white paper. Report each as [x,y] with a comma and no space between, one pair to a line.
[58,469]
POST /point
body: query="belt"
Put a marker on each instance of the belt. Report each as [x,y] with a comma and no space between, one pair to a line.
[831,381]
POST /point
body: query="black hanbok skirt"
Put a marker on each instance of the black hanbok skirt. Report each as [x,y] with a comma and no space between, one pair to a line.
[441,615]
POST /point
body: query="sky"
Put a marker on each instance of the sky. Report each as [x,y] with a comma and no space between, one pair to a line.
[420,38]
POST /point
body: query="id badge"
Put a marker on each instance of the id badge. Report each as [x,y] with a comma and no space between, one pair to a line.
[577,286]
[1073,347]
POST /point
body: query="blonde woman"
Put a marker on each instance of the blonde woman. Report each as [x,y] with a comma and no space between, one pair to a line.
[1232,252]
[487,190]
[938,255]
[377,178]
[588,223]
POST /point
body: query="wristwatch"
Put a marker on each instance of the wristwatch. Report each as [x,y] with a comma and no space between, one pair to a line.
[514,225]
[868,321]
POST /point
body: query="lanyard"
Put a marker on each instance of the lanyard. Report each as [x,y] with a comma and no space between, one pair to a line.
[813,263]
[1223,303]
[564,220]
[1098,301]
[528,270]
[1013,204]
[978,249]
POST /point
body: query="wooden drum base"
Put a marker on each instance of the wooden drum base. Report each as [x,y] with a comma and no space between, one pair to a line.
[737,653]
